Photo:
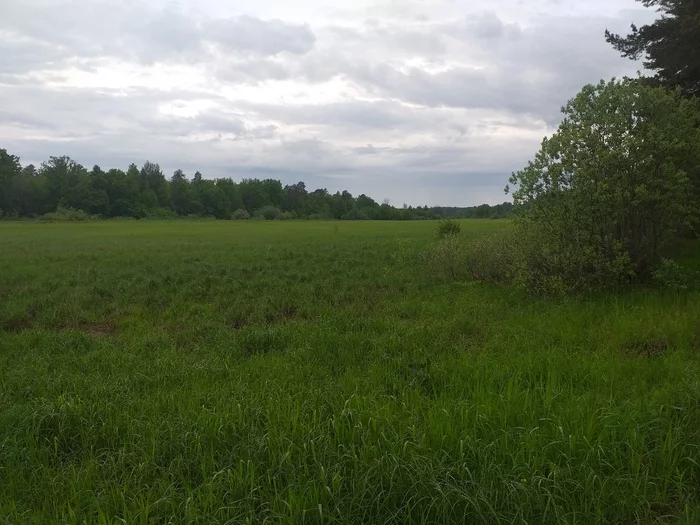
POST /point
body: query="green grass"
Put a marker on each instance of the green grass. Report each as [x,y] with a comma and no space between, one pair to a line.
[309,372]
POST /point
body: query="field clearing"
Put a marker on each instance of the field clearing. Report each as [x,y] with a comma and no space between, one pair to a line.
[312,372]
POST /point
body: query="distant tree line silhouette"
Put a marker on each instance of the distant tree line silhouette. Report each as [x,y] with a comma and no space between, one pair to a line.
[61,184]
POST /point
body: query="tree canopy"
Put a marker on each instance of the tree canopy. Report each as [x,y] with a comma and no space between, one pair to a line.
[63,184]
[670,46]
[611,190]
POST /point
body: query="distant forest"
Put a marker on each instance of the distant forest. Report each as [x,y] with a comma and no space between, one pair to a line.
[63,186]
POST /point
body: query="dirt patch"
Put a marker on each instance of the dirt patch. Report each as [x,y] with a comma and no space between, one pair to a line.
[285,313]
[17,324]
[97,329]
[646,349]
[288,312]
[238,322]
[91,329]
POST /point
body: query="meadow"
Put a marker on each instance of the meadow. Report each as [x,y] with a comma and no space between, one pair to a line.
[314,372]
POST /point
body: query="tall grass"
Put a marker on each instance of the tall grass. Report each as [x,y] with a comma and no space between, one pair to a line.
[271,372]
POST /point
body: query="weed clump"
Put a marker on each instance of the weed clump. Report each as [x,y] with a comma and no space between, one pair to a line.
[447,228]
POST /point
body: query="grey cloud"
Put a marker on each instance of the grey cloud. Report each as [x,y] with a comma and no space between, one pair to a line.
[354,114]
[27,120]
[260,37]
[487,26]
[435,132]
[531,71]
[250,70]
[369,149]
[20,54]
[88,112]
[37,35]
[161,36]
[218,122]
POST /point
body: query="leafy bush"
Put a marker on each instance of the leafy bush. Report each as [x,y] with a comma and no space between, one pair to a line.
[240,215]
[270,213]
[162,214]
[517,256]
[609,192]
[447,228]
[447,258]
[496,258]
[355,215]
[288,216]
[669,274]
[65,213]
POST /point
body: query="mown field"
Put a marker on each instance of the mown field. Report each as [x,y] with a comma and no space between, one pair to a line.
[310,372]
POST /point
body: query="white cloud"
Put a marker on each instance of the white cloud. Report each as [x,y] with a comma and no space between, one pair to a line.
[420,101]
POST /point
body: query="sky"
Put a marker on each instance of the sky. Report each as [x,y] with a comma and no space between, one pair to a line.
[424,102]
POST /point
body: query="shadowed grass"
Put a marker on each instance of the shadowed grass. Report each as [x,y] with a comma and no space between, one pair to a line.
[211,372]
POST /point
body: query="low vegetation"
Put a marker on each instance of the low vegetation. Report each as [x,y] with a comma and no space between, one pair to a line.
[290,372]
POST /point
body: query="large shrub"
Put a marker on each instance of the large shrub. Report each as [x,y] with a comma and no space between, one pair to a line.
[610,191]
[161,213]
[240,215]
[446,258]
[67,214]
[354,215]
[270,213]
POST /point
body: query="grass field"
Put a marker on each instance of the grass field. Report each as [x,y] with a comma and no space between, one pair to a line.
[310,372]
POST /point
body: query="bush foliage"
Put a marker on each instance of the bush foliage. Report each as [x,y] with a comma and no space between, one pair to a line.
[608,194]
[240,215]
[447,228]
[270,213]
[66,214]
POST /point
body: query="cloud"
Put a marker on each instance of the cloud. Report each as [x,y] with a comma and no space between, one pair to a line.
[423,101]
[38,34]
[261,37]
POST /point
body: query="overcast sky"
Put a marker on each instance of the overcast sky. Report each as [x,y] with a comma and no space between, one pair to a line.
[419,101]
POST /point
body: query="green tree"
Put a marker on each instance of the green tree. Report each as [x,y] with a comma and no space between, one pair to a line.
[123,192]
[294,197]
[29,193]
[213,200]
[253,194]
[67,183]
[232,192]
[10,171]
[180,193]
[317,205]
[338,205]
[96,200]
[273,191]
[152,178]
[670,46]
[611,189]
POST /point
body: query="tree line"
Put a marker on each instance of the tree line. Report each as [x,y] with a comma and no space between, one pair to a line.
[61,184]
